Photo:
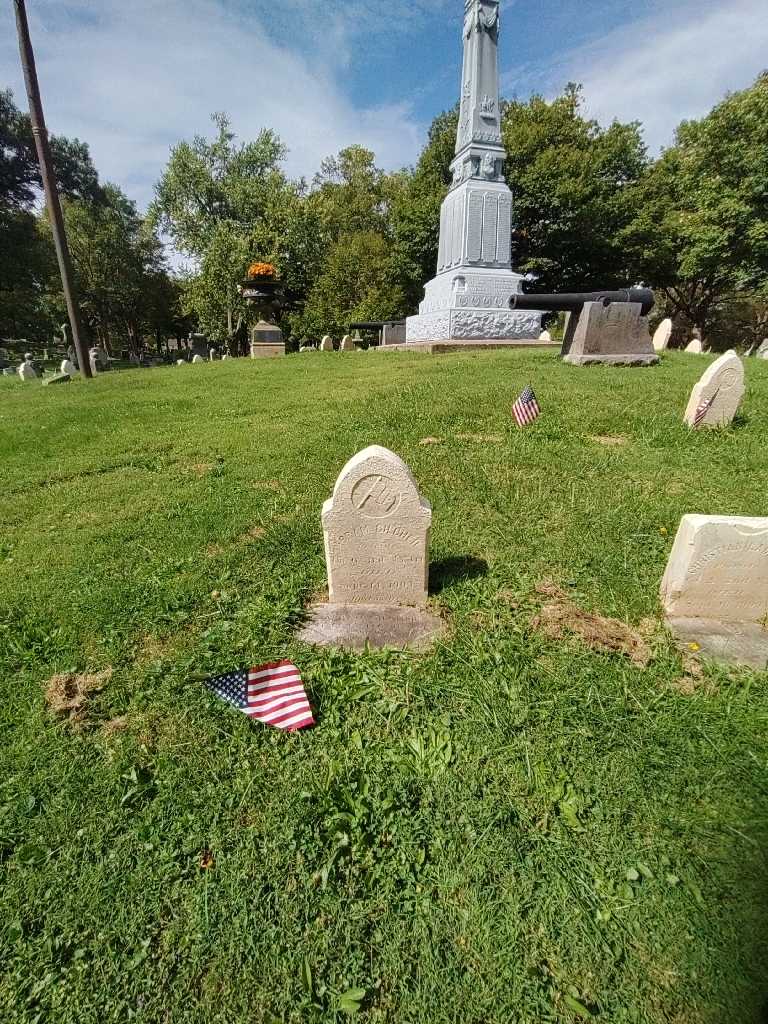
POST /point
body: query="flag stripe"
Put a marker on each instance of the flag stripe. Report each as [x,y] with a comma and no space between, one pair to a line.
[271,672]
[282,681]
[271,716]
[271,694]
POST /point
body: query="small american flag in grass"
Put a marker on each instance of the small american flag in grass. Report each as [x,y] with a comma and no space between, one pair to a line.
[703,409]
[526,408]
[272,694]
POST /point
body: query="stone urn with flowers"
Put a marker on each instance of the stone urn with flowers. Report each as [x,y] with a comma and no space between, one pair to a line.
[261,289]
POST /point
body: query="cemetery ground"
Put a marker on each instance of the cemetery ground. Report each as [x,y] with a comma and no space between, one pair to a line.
[547,818]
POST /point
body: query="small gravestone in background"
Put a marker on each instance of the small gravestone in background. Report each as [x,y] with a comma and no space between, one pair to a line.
[616,334]
[663,335]
[715,589]
[26,370]
[326,345]
[347,344]
[197,359]
[718,394]
[60,378]
[376,529]
[695,346]
[763,348]
[68,367]
[546,337]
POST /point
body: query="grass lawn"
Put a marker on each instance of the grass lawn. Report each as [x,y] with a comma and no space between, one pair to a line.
[512,829]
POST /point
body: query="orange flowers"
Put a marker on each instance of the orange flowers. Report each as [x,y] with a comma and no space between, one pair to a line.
[261,270]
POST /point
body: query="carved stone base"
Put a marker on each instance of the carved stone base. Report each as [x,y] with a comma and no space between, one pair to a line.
[629,359]
[357,626]
[472,303]
[734,643]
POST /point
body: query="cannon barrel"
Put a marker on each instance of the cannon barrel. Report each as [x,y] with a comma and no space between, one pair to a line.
[574,302]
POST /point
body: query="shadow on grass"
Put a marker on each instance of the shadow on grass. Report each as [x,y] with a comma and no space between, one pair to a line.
[447,571]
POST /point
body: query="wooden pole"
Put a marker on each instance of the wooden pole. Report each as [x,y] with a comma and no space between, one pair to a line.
[40,133]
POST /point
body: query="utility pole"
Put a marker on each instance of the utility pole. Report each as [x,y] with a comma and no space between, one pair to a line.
[43,145]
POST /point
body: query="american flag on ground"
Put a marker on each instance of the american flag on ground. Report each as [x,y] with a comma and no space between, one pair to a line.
[272,694]
[703,409]
[526,408]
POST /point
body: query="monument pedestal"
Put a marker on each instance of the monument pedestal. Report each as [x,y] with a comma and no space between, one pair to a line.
[266,340]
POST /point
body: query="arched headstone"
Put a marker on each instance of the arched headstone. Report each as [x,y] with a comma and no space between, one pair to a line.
[376,529]
[716,398]
[545,336]
[663,335]
[347,344]
[67,366]
[326,345]
[197,359]
[695,346]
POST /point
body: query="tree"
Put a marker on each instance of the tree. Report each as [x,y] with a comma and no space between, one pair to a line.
[700,230]
[357,284]
[224,204]
[26,259]
[117,259]
[570,181]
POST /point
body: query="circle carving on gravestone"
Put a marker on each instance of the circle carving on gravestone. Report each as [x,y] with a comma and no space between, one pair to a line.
[728,379]
[376,497]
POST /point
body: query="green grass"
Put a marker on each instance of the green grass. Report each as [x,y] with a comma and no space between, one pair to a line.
[509,830]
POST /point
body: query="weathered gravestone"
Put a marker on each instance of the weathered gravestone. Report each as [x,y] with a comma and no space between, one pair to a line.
[197,359]
[59,378]
[763,349]
[695,346]
[376,528]
[545,336]
[26,370]
[616,334]
[326,345]
[715,589]
[663,335]
[716,398]
[347,344]
[68,367]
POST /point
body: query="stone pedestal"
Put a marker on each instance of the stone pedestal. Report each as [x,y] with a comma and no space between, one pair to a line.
[266,340]
[617,334]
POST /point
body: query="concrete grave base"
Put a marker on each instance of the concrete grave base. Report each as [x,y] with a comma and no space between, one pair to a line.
[436,348]
[590,359]
[60,378]
[735,643]
[354,626]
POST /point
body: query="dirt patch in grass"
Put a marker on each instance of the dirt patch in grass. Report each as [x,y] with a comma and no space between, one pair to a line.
[255,533]
[267,485]
[431,440]
[692,679]
[200,469]
[481,438]
[608,441]
[560,616]
[69,694]
[214,550]
[115,726]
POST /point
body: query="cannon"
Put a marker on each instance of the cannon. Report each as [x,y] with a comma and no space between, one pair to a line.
[603,327]
[574,302]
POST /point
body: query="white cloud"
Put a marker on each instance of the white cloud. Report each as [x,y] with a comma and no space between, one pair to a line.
[133,78]
[674,65]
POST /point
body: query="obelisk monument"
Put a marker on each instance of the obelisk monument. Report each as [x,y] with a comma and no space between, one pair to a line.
[469,298]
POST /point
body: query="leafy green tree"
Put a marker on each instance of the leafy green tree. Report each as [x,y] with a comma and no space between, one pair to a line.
[700,229]
[117,258]
[224,204]
[357,284]
[27,261]
[570,181]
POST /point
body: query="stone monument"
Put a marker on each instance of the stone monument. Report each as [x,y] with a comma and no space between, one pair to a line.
[326,345]
[347,344]
[469,298]
[715,589]
[663,335]
[695,346]
[376,528]
[616,334]
[716,398]
[68,367]
[266,340]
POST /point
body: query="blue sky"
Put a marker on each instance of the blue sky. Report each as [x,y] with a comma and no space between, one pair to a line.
[133,77]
